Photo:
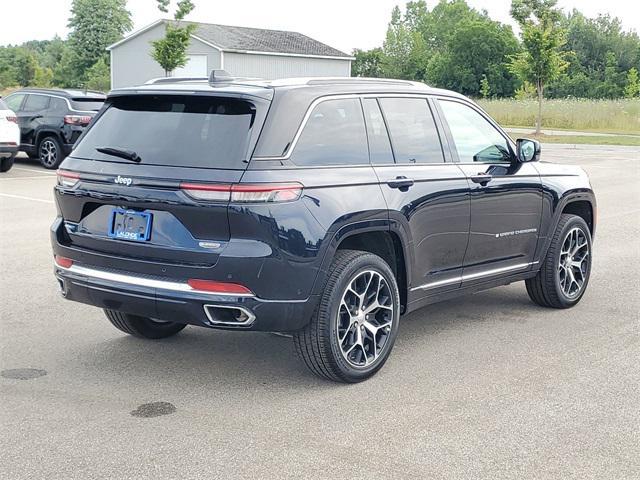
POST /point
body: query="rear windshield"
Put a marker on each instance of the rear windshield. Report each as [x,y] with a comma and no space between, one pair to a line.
[180,131]
[93,104]
[3,106]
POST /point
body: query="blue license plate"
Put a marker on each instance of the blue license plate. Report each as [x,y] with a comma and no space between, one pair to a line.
[130,225]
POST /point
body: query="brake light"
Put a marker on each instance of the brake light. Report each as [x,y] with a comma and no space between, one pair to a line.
[207,192]
[244,193]
[79,120]
[63,262]
[218,287]
[67,179]
[12,119]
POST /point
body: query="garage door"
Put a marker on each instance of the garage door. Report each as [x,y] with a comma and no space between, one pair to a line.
[196,66]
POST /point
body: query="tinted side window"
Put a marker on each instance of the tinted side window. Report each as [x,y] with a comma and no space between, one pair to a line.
[413,130]
[379,145]
[14,101]
[476,140]
[36,103]
[334,135]
[58,105]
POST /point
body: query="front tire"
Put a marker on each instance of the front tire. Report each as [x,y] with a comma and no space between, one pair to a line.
[142,327]
[565,271]
[50,152]
[356,322]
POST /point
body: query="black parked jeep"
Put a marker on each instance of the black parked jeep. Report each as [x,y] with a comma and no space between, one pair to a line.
[51,120]
[323,207]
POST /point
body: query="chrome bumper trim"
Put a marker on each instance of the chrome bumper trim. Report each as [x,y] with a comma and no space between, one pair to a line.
[144,282]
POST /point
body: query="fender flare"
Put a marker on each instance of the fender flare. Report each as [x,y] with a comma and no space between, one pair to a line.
[334,239]
[47,132]
[570,196]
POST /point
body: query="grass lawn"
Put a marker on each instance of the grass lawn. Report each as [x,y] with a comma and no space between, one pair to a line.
[584,140]
[601,116]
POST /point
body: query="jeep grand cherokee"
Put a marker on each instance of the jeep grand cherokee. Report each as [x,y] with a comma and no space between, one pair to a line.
[326,208]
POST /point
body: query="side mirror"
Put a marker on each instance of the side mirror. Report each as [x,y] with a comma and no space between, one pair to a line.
[528,150]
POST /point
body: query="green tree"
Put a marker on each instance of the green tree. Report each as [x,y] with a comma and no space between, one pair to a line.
[99,76]
[485,88]
[368,63]
[542,37]
[43,77]
[441,47]
[632,89]
[94,25]
[25,67]
[590,44]
[404,50]
[171,51]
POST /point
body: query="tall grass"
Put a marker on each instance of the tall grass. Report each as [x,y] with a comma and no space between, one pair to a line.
[615,116]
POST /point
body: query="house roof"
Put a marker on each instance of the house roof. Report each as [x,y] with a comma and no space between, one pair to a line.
[253,40]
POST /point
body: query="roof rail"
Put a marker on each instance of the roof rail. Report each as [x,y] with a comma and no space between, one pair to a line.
[333,80]
[158,80]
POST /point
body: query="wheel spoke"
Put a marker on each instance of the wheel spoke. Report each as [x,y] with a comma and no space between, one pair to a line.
[574,262]
[363,335]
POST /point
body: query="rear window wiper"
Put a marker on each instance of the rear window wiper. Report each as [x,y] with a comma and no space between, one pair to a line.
[116,152]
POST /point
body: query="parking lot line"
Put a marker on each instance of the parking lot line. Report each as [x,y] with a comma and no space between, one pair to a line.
[33,170]
[20,197]
[27,178]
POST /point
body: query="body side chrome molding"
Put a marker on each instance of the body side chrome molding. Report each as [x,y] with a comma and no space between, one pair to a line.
[473,276]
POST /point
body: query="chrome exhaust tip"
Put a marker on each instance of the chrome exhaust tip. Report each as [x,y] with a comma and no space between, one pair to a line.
[229,315]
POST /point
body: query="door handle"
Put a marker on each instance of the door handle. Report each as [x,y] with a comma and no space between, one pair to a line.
[481,178]
[401,183]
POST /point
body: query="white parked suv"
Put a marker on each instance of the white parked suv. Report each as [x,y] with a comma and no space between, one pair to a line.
[9,136]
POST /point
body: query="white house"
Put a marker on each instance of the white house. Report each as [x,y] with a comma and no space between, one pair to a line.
[241,51]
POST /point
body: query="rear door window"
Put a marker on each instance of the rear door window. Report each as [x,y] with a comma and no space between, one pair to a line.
[413,131]
[196,131]
[379,145]
[36,103]
[333,135]
[14,101]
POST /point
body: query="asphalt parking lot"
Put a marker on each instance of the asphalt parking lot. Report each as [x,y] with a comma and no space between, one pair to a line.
[488,386]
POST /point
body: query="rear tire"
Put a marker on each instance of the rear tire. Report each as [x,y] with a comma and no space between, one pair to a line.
[7,163]
[50,152]
[142,327]
[356,322]
[565,271]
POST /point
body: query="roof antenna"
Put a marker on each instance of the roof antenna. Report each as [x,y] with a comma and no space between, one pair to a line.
[218,76]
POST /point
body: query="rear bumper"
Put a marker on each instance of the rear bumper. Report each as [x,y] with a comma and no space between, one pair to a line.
[174,301]
[8,150]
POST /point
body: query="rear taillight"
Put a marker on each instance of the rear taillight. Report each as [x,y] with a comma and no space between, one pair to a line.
[244,193]
[67,179]
[79,120]
[218,287]
[63,262]
[12,119]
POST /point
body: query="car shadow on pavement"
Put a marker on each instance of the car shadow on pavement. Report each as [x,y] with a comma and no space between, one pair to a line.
[224,360]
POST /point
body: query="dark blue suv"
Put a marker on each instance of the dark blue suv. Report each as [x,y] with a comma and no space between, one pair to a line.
[326,208]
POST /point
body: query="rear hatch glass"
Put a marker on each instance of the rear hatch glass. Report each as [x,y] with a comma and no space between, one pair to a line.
[87,104]
[180,131]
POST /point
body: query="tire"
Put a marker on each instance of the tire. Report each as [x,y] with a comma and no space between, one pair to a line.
[7,163]
[50,152]
[549,287]
[324,343]
[142,327]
